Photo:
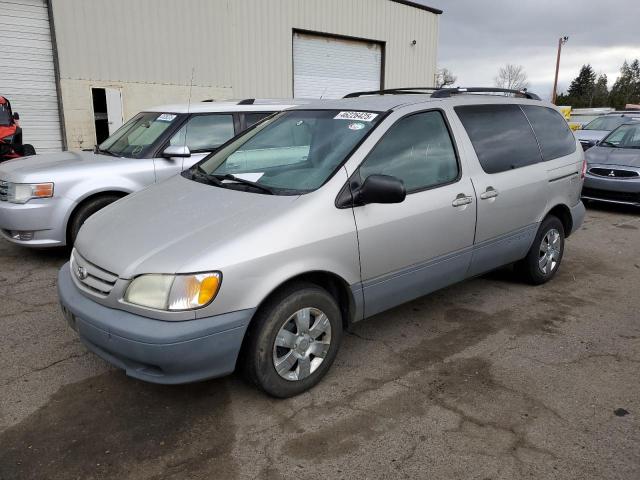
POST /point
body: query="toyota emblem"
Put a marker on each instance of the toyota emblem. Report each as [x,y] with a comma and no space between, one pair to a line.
[82,273]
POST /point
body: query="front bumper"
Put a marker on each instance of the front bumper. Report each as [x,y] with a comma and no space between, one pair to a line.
[624,191]
[43,221]
[167,352]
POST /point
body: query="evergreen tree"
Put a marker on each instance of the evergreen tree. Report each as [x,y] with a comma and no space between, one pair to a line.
[582,89]
[626,89]
[601,92]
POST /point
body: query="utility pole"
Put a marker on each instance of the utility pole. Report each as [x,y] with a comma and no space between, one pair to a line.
[561,41]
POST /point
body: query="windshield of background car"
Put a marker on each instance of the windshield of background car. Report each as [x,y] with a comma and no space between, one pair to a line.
[295,151]
[134,137]
[606,123]
[625,136]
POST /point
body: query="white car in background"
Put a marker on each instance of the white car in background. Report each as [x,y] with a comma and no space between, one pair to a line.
[45,199]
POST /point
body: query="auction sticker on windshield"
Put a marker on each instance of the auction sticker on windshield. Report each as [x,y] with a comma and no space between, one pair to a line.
[362,116]
[166,117]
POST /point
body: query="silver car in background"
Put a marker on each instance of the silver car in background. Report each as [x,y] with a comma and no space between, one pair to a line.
[45,199]
[263,253]
[613,167]
[598,128]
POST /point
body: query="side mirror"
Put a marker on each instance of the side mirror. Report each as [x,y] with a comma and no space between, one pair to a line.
[381,189]
[176,151]
[16,116]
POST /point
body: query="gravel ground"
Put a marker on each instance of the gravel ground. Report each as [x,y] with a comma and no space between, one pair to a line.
[489,379]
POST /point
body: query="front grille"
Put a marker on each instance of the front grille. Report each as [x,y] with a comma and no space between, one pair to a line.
[613,172]
[596,193]
[4,190]
[93,278]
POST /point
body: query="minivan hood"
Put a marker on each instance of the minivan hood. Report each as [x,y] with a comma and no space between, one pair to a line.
[591,135]
[161,228]
[629,157]
[42,167]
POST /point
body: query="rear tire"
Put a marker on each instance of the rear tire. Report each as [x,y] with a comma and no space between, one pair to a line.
[545,255]
[84,212]
[293,340]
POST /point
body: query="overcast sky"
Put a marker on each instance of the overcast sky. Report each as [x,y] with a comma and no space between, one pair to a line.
[479,36]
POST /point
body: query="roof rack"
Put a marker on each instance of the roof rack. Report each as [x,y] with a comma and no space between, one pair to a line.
[447,92]
[393,91]
[246,101]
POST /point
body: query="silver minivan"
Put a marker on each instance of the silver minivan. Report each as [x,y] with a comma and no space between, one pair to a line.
[263,253]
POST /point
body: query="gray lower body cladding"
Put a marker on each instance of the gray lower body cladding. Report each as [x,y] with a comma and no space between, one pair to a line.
[167,352]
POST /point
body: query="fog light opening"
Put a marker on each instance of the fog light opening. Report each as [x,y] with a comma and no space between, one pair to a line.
[22,235]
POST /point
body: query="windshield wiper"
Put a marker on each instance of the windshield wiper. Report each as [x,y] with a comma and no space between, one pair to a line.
[608,144]
[105,152]
[229,176]
[212,179]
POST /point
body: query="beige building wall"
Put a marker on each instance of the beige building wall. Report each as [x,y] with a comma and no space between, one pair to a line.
[235,48]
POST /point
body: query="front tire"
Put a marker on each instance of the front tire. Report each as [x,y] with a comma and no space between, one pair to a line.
[545,255]
[293,341]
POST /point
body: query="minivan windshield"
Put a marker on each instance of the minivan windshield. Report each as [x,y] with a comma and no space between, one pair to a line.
[606,123]
[135,137]
[291,153]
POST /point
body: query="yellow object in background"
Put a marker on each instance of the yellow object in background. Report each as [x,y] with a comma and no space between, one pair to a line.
[566,111]
[575,126]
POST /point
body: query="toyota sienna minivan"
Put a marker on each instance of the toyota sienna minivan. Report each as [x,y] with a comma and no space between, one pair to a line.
[262,254]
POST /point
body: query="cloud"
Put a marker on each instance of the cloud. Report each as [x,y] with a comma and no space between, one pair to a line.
[478,37]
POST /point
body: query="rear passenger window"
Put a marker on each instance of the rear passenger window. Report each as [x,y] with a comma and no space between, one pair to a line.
[552,131]
[501,136]
[416,149]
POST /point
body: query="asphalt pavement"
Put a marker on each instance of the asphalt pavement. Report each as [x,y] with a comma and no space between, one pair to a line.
[488,379]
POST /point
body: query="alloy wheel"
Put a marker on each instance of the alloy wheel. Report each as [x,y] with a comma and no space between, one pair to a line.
[549,251]
[302,343]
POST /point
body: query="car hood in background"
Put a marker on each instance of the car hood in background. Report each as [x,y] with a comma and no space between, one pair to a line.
[161,228]
[629,157]
[42,167]
[591,135]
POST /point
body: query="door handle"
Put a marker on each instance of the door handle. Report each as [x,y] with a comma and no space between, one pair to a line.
[489,193]
[461,200]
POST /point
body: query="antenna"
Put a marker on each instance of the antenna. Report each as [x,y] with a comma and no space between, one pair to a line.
[186,127]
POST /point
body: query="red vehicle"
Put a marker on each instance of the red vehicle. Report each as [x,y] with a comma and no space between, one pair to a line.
[11,145]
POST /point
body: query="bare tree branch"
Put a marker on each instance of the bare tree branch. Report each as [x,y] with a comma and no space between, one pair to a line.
[444,78]
[512,77]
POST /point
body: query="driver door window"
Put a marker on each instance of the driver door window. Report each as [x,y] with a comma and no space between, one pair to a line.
[417,150]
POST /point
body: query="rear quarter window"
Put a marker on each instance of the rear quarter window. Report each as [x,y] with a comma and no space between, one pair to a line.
[553,134]
[501,136]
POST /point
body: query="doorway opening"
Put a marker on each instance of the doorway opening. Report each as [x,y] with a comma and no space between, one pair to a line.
[107,111]
[100,118]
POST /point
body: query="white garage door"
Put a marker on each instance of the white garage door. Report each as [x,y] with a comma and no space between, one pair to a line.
[26,71]
[325,67]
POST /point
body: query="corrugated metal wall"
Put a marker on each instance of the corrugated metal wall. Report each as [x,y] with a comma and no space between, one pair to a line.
[242,44]
[27,76]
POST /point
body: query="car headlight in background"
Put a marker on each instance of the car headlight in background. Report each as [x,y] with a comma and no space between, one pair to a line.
[23,192]
[174,292]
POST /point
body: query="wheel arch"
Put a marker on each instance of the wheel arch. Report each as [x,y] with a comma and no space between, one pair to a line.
[86,199]
[332,283]
[563,213]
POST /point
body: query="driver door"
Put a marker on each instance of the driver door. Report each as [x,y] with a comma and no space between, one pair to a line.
[202,134]
[412,248]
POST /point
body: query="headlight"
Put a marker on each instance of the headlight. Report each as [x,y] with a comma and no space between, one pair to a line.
[23,192]
[174,292]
